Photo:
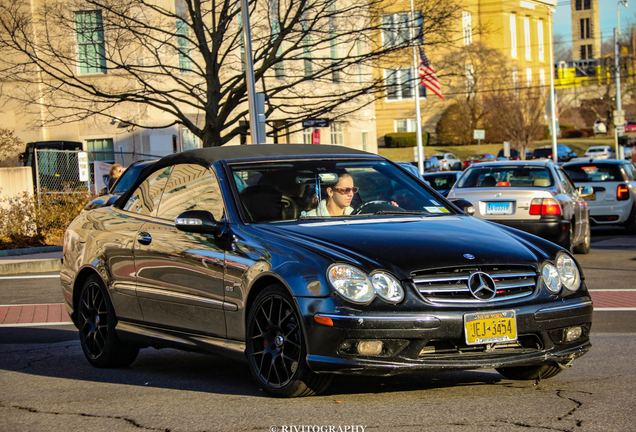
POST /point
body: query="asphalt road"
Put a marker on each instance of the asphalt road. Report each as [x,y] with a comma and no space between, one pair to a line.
[47,385]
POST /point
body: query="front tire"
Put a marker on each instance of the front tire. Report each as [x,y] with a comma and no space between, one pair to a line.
[96,321]
[530,372]
[275,347]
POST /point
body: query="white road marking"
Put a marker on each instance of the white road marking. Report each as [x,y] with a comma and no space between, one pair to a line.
[57,276]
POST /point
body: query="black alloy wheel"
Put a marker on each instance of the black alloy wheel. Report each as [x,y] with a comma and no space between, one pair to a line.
[276,349]
[530,372]
[96,323]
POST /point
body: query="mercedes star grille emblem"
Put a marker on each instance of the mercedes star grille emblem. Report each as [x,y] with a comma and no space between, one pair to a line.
[481,286]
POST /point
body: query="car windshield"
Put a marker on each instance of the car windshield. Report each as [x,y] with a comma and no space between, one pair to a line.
[475,157]
[543,152]
[595,173]
[310,189]
[128,178]
[596,150]
[506,176]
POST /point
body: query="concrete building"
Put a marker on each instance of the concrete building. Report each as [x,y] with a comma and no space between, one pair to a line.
[586,30]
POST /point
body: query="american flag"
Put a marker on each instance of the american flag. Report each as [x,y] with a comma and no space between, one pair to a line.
[427,75]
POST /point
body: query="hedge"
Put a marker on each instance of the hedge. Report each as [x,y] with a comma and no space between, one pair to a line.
[404,139]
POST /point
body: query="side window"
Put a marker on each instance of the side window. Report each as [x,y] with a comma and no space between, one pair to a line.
[145,199]
[565,181]
[191,187]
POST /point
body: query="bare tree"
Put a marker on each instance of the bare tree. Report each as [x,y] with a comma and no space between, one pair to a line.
[10,146]
[153,64]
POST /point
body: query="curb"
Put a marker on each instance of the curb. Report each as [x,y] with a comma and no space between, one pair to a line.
[35,266]
[29,251]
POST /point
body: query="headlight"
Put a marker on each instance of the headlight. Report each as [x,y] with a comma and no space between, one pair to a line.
[351,283]
[354,285]
[551,279]
[568,272]
[387,287]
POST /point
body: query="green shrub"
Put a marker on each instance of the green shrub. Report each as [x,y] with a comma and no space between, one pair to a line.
[566,127]
[25,222]
[404,139]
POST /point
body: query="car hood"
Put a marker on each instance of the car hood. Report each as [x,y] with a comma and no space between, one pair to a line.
[406,245]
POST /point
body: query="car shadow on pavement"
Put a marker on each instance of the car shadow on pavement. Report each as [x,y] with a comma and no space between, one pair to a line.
[57,353]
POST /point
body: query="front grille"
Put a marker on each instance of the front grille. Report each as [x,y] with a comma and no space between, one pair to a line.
[451,285]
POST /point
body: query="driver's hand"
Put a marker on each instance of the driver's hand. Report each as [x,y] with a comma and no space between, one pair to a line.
[394,204]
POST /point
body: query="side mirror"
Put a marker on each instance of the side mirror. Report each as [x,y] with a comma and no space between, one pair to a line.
[199,221]
[586,191]
[465,206]
[102,191]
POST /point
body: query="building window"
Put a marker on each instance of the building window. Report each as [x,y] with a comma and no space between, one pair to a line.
[467,27]
[515,79]
[365,140]
[308,136]
[542,81]
[513,35]
[529,77]
[540,40]
[399,84]
[585,28]
[469,71]
[337,133]
[308,63]
[360,74]
[279,70]
[396,29]
[101,150]
[526,30]
[333,44]
[405,125]
[185,65]
[582,4]
[586,52]
[90,42]
[281,132]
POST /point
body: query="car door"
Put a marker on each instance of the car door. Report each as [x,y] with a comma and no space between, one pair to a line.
[180,274]
[579,206]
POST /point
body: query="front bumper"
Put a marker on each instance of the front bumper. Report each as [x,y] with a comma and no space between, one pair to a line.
[435,341]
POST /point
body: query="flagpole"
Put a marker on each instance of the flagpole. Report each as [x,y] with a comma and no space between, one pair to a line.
[555,155]
[418,117]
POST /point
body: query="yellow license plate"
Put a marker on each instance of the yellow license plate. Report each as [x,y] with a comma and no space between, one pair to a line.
[490,327]
[591,197]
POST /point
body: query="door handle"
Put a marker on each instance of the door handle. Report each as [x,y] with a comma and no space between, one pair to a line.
[144,238]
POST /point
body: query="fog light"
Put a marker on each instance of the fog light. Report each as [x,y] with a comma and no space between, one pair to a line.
[370,348]
[573,333]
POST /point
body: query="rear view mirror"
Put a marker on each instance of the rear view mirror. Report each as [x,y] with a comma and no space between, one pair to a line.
[198,221]
[465,206]
[585,191]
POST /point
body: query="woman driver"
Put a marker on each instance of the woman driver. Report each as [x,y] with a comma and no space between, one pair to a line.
[339,198]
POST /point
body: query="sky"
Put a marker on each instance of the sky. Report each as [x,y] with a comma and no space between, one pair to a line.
[607,16]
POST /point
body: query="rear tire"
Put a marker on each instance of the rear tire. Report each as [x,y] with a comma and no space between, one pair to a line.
[96,322]
[275,347]
[584,246]
[530,372]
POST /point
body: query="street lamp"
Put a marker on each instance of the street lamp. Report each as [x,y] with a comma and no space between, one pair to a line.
[620,120]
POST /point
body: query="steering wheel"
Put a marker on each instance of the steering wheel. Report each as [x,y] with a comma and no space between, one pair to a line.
[374,206]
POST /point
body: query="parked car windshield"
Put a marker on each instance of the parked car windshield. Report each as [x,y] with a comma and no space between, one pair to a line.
[512,176]
[595,173]
[296,189]
[441,181]
[596,150]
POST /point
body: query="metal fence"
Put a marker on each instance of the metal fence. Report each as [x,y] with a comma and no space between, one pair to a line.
[57,171]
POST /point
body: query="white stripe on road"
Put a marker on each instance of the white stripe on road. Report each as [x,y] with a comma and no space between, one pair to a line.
[614,309]
[38,324]
[31,277]
[612,290]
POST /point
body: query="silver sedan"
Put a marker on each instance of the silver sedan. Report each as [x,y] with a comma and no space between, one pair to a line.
[534,196]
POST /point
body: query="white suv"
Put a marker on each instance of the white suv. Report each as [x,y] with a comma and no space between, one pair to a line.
[448,161]
[614,183]
[599,152]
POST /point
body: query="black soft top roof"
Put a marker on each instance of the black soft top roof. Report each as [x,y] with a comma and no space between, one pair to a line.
[208,156]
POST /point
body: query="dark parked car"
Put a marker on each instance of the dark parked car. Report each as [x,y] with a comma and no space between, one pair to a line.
[442,182]
[123,183]
[565,153]
[514,154]
[402,281]
[477,158]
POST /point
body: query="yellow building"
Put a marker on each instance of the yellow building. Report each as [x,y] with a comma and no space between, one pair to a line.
[520,30]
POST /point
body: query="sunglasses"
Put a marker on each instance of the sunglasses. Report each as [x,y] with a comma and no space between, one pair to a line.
[346,191]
